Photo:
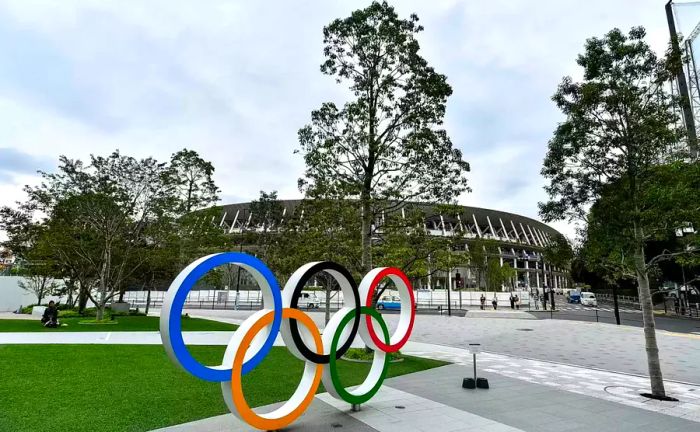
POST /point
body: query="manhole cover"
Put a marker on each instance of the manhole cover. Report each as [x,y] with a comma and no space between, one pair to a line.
[336,425]
[524,329]
[400,407]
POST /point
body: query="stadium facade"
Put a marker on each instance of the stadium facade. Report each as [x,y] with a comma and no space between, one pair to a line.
[520,240]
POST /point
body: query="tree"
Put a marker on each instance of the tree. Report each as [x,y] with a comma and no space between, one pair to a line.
[404,242]
[557,254]
[385,147]
[266,214]
[498,275]
[319,230]
[105,223]
[482,250]
[619,126]
[38,281]
[192,178]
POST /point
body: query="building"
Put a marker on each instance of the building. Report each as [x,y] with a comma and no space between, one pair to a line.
[520,240]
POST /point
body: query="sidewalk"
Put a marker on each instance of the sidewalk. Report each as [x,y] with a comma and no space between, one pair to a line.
[434,400]
[499,313]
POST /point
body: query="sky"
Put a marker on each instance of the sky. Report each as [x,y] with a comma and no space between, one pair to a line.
[235,80]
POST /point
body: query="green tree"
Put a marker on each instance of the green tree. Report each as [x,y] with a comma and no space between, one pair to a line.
[192,178]
[559,254]
[498,275]
[38,279]
[266,214]
[386,146]
[619,124]
[482,250]
[404,242]
[319,230]
[104,223]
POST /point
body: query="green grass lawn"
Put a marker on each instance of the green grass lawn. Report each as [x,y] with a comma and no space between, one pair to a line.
[136,387]
[124,323]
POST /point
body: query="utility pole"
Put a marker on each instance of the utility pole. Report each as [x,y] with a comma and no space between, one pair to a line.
[449,301]
[682,84]
[238,280]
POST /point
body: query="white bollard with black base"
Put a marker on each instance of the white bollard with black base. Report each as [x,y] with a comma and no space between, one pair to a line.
[471,383]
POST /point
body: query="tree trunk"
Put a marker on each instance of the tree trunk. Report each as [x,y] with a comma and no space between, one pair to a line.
[653,363]
[328,302]
[366,234]
[104,274]
[82,297]
[100,312]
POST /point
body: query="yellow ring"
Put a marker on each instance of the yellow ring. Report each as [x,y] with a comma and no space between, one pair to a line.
[244,411]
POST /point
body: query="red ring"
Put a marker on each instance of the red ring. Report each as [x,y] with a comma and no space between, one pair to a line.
[370,328]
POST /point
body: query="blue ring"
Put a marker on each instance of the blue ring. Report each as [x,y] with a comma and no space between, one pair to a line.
[189,363]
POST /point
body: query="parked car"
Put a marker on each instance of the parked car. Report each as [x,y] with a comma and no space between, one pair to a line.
[588,299]
[308,300]
[389,303]
[573,296]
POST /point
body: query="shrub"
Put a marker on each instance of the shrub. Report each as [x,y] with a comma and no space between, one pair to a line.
[368,355]
[28,309]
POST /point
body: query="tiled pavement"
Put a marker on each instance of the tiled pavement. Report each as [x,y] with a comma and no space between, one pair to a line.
[534,407]
[434,400]
[587,344]
[609,386]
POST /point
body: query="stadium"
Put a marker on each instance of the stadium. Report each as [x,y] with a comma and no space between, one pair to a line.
[520,241]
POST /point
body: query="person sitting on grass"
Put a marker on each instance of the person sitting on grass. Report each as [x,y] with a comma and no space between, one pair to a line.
[50,318]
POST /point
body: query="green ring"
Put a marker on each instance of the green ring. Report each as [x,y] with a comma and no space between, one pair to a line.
[346,395]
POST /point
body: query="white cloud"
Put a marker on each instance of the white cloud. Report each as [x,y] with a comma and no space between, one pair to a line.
[235,80]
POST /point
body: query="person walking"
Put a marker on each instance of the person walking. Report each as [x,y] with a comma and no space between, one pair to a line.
[494,302]
[483,301]
[551,298]
[512,300]
[517,302]
[544,298]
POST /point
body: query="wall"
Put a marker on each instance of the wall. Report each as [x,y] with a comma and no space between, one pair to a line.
[12,296]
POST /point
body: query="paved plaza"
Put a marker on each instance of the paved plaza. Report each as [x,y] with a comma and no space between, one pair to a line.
[588,344]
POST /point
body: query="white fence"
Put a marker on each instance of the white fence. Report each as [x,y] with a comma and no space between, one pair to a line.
[251,299]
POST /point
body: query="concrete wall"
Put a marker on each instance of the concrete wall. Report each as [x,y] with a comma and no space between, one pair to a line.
[12,296]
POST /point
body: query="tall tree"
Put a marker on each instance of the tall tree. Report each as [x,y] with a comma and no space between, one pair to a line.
[192,178]
[266,214]
[386,146]
[103,222]
[619,124]
[558,254]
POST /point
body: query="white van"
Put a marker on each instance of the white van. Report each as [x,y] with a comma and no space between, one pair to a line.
[588,299]
[309,300]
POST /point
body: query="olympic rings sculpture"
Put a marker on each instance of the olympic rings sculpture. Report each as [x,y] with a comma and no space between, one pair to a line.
[256,335]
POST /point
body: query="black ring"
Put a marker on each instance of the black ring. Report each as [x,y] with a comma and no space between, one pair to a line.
[294,327]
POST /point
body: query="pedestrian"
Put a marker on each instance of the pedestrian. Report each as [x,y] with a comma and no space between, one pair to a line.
[517,302]
[536,297]
[483,301]
[551,297]
[544,298]
[677,305]
[512,301]
[494,302]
